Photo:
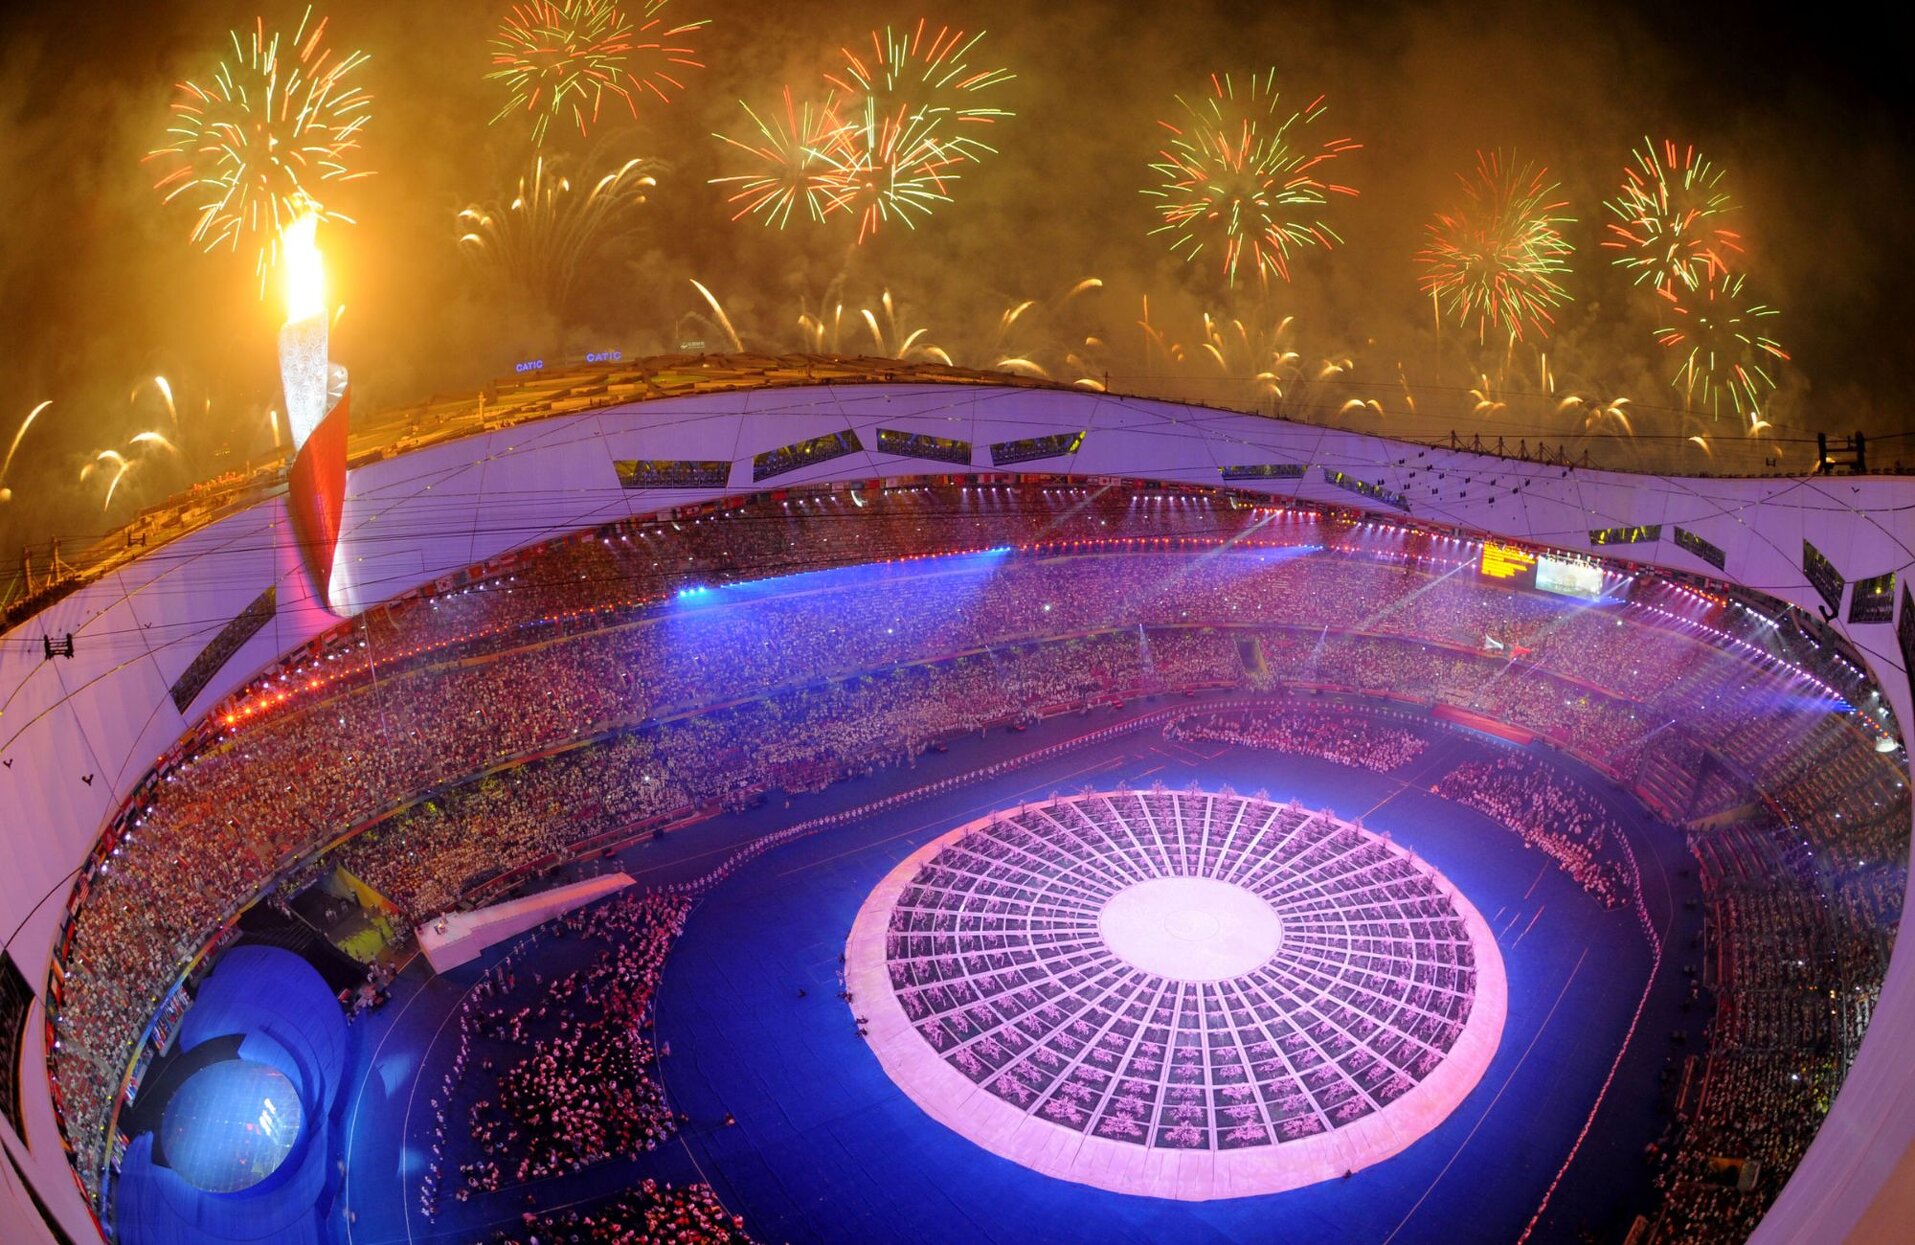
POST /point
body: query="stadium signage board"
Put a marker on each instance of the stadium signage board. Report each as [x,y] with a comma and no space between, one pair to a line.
[230,639]
[1363,488]
[672,472]
[808,453]
[1823,577]
[923,445]
[1641,534]
[1029,449]
[1265,471]
[1905,636]
[16,1000]
[1701,548]
[1873,600]
[529,365]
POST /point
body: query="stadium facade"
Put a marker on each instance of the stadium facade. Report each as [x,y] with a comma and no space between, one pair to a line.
[163,638]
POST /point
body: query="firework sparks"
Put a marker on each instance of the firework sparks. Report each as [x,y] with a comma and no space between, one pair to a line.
[1485,400]
[794,159]
[1031,330]
[1244,182]
[915,112]
[823,333]
[157,439]
[722,320]
[247,146]
[570,56]
[1668,224]
[1262,353]
[894,341]
[117,462]
[19,433]
[165,388]
[1599,414]
[1157,342]
[1716,330]
[544,235]
[1495,261]
[111,457]
[123,465]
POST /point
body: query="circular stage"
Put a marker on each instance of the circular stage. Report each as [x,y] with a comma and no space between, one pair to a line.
[1190,929]
[231,1125]
[1186,994]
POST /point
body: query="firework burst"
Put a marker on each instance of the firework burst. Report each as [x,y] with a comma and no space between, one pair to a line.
[792,159]
[915,112]
[1245,183]
[543,236]
[570,57]
[1716,332]
[247,146]
[1668,227]
[1493,263]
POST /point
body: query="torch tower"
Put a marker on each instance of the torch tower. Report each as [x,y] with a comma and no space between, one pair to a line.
[317,403]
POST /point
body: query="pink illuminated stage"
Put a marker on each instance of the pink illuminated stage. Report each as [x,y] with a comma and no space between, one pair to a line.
[1189,995]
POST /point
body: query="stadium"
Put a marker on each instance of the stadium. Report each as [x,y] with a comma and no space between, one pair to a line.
[801,799]
[642,622]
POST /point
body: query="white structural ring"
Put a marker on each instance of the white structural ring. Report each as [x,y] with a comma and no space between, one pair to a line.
[1185,994]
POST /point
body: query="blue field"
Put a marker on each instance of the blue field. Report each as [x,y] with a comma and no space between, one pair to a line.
[825,1149]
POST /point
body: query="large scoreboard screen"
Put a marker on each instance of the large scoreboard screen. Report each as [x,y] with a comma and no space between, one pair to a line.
[1569,577]
[1507,562]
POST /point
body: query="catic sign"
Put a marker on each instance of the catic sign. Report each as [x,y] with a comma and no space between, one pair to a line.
[529,365]
[604,356]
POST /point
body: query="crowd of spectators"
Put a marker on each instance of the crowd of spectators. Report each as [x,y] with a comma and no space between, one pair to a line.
[573,691]
[1353,739]
[651,1214]
[1551,813]
[1795,959]
[423,857]
[564,1077]
[606,578]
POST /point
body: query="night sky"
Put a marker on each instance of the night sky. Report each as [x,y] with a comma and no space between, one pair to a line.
[102,287]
